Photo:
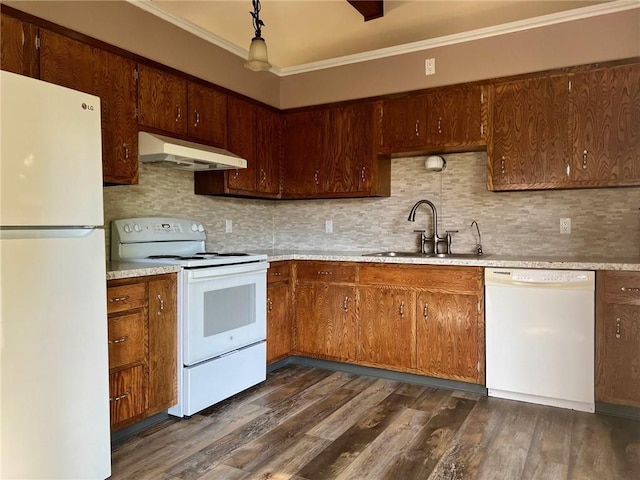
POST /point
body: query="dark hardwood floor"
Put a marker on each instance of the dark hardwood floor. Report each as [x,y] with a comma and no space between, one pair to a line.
[307,423]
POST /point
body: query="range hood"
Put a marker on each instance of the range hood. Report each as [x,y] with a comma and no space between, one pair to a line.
[180,154]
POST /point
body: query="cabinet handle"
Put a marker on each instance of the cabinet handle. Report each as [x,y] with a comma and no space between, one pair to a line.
[321,272]
[440,125]
[315,177]
[425,311]
[630,289]
[417,128]
[345,304]
[263,179]
[126,151]
[363,174]
[502,164]
[584,159]
[402,309]
[197,121]
[276,274]
[618,327]
[269,304]
[161,304]
[119,340]
[178,114]
[120,397]
[119,299]
[568,170]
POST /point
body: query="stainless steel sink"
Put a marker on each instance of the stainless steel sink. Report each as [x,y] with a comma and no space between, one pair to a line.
[424,255]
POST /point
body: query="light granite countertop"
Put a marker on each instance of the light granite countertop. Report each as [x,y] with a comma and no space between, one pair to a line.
[117,270]
[550,262]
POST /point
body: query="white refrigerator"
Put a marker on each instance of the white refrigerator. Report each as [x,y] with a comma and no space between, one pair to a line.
[54,394]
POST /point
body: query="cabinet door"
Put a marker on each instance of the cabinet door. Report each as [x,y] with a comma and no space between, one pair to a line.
[618,355]
[455,117]
[529,127]
[207,114]
[348,166]
[447,336]
[605,114]
[387,326]
[69,63]
[163,344]
[126,394]
[242,142]
[18,52]
[269,131]
[404,124]
[305,147]
[117,90]
[326,321]
[162,100]
[279,331]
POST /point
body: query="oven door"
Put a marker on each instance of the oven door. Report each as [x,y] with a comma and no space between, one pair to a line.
[223,309]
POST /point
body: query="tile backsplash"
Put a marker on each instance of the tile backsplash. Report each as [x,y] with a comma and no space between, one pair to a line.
[604,222]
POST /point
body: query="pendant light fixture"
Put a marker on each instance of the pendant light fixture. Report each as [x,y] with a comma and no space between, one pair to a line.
[258,60]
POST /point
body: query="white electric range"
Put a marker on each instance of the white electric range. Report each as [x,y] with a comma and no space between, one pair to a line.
[221,307]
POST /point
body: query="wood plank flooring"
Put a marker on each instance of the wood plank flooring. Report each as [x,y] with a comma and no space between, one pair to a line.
[311,424]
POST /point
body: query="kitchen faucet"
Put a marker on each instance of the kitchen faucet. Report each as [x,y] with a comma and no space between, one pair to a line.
[434,239]
[479,244]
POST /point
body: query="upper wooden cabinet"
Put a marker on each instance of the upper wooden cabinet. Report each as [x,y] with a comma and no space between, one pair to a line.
[528,133]
[255,134]
[605,127]
[566,131]
[207,110]
[456,118]
[404,124]
[18,47]
[76,65]
[162,100]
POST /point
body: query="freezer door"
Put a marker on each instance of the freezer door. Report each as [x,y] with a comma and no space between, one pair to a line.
[54,414]
[50,155]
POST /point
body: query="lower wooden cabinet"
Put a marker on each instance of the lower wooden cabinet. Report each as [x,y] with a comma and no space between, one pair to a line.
[279,318]
[142,335]
[423,319]
[618,338]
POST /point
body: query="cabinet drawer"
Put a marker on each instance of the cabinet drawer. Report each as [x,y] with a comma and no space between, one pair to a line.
[445,278]
[126,297]
[326,272]
[126,339]
[622,287]
[126,394]
[278,272]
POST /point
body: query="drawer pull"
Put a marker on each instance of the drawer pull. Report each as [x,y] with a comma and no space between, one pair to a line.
[425,311]
[630,289]
[345,304]
[324,273]
[618,327]
[119,299]
[119,340]
[120,397]
[276,274]
[402,309]
[161,304]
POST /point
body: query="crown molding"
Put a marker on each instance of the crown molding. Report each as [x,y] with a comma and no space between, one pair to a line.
[506,28]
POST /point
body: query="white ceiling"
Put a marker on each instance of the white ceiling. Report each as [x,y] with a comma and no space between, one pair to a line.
[303,32]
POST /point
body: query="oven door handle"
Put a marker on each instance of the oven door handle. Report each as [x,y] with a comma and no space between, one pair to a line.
[212,272]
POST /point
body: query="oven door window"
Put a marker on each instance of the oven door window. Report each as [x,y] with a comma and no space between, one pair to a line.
[222,314]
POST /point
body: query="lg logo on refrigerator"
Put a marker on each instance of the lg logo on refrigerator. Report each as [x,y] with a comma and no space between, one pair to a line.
[87,107]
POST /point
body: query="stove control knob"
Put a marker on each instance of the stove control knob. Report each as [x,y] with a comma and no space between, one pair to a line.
[137,227]
[194,227]
[200,228]
[126,228]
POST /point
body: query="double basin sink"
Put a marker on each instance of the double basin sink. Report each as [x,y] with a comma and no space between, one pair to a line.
[425,255]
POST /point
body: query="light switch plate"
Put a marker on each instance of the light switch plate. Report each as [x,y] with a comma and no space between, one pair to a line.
[328,226]
[565,226]
[228,226]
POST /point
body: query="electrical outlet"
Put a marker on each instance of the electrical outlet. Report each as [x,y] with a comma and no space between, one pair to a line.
[565,225]
[430,66]
[228,226]
[328,226]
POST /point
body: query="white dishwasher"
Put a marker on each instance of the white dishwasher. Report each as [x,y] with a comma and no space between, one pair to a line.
[540,336]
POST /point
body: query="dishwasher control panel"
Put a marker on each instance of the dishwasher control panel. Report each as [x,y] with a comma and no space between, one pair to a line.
[552,278]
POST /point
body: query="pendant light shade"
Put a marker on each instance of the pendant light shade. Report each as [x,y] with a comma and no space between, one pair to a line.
[258,60]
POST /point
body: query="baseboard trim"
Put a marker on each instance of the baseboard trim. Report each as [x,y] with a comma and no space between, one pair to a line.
[131,430]
[380,373]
